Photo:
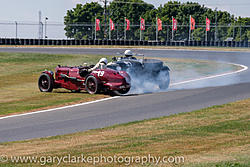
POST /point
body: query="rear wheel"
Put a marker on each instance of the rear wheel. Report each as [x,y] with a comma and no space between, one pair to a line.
[91,84]
[164,79]
[45,83]
[121,92]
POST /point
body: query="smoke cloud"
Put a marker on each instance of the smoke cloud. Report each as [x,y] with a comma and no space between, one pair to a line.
[201,70]
[144,83]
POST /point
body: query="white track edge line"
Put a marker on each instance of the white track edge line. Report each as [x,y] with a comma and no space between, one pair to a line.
[96,101]
[244,68]
[59,108]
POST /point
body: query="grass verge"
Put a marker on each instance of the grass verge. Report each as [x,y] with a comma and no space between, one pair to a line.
[19,73]
[216,136]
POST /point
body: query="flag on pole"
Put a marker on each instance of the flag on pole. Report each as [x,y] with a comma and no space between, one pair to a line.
[159,24]
[127,24]
[207,24]
[174,24]
[97,25]
[192,23]
[142,24]
[111,24]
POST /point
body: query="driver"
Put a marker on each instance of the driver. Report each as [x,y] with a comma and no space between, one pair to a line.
[102,64]
[128,53]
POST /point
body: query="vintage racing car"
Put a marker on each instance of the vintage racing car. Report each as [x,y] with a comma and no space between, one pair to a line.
[151,70]
[78,78]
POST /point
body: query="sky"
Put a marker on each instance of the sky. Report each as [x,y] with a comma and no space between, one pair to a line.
[55,10]
[27,10]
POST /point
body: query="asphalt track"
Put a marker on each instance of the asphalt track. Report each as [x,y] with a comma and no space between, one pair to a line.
[204,93]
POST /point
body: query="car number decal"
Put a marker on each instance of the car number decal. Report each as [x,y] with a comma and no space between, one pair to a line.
[100,73]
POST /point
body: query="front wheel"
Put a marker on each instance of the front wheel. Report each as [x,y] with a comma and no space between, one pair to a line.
[91,84]
[45,83]
[121,92]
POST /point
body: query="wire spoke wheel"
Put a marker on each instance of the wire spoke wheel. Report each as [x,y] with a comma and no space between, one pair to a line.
[45,83]
[91,85]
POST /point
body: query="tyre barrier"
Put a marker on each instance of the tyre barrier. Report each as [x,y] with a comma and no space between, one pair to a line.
[21,41]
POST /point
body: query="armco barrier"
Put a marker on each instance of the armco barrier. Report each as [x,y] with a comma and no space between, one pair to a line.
[17,41]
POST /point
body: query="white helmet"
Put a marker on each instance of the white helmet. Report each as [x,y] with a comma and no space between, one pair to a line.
[103,60]
[128,53]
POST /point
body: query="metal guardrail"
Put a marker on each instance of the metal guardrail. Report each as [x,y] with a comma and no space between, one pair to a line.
[16,41]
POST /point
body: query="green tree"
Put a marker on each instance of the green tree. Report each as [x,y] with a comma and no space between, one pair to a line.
[199,34]
[78,20]
[181,12]
[248,35]
[132,10]
[242,30]
[224,23]
[227,25]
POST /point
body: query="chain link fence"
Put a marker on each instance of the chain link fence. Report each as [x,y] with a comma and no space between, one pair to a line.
[24,30]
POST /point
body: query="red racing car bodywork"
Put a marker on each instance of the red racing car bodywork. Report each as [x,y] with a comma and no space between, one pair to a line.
[78,78]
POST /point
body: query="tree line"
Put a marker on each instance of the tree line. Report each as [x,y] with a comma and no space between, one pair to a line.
[79,21]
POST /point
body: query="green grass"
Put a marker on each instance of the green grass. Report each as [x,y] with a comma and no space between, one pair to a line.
[218,136]
[222,164]
[19,73]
